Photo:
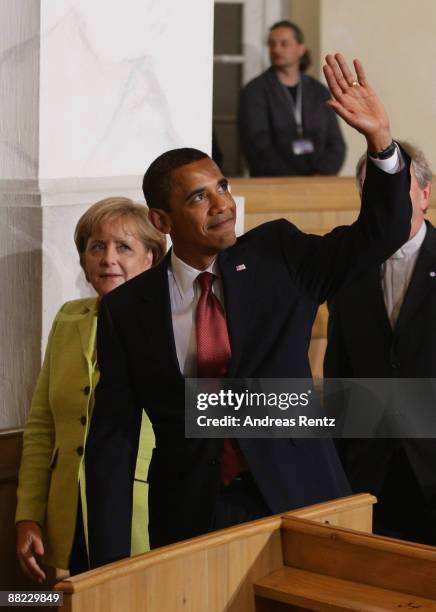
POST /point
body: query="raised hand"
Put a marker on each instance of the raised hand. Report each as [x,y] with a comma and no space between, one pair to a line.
[356,102]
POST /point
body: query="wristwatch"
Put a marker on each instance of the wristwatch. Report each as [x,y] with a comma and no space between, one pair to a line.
[386,153]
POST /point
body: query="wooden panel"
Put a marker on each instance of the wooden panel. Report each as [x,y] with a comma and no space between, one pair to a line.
[323,593]
[317,348]
[315,204]
[213,573]
[11,444]
[296,193]
[269,605]
[10,453]
[299,193]
[319,329]
[353,512]
[11,576]
[318,342]
[311,222]
[349,555]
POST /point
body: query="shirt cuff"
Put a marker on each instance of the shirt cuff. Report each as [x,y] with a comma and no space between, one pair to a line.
[391,165]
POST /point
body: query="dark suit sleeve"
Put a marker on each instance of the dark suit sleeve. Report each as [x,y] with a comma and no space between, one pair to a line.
[336,359]
[336,366]
[320,265]
[262,155]
[331,158]
[111,451]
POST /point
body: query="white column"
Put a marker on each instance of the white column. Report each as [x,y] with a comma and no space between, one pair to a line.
[20,212]
[118,84]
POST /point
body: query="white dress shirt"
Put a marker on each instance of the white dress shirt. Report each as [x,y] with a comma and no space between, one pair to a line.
[392,164]
[397,271]
[184,295]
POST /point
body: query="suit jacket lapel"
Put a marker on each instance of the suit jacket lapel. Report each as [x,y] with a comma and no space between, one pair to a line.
[238,268]
[154,306]
[309,101]
[85,327]
[373,300]
[154,316]
[422,282]
[282,99]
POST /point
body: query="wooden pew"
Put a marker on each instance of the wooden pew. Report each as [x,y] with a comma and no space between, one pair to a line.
[211,573]
[329,568]
[301,560]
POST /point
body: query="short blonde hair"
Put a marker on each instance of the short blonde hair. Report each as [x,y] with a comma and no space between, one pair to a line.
[110,209]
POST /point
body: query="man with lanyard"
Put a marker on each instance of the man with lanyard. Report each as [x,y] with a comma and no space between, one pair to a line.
[286,128]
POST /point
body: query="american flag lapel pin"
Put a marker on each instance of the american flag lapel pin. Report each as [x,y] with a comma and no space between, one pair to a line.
[240,267]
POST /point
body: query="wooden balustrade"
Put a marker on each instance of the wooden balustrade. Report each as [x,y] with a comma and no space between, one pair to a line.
[309,559]
[213,573]
[315,204]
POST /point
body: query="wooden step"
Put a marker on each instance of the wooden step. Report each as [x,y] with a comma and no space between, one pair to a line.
[311,591]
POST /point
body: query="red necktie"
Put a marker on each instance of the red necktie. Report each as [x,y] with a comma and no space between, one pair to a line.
[213,356]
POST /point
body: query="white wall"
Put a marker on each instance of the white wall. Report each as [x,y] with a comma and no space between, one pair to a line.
[395,39]
[19,87]
[121,82]
[307,14]
[396,42]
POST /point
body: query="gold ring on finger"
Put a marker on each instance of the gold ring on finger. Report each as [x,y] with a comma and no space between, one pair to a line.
[355,84]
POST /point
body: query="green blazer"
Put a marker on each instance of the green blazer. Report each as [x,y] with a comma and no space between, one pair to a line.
[52,466]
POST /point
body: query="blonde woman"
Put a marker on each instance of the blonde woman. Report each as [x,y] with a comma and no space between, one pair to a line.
[115,242]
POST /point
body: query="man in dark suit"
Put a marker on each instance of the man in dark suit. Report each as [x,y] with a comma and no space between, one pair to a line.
[266,290]
[382,326]
[285,126]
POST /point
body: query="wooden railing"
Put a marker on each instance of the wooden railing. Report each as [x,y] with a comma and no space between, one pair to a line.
[315,204]
[318,558]
[213,573]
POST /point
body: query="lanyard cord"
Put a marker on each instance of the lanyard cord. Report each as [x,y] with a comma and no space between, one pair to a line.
[297,107]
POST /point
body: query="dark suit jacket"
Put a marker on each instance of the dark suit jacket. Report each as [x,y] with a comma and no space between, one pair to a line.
[267,128]
[362,344]
[270,308]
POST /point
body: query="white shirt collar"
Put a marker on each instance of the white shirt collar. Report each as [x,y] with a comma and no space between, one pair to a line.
[410,247]
[185,275]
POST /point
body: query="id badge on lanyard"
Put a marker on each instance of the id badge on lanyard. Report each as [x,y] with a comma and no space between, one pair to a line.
[301,145]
